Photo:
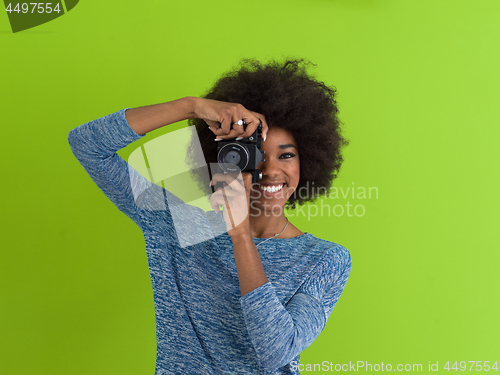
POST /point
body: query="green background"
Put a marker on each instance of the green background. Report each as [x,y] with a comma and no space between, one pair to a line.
[418,87]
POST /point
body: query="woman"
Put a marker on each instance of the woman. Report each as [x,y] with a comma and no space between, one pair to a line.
[249,299]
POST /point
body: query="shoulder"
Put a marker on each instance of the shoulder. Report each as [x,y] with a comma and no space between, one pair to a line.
[330,250]
[315,251]
[333,260]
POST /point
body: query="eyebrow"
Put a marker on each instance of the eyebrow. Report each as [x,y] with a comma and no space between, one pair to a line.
[287,146]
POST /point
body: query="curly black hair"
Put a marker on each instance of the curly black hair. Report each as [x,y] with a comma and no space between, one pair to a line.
[291,99]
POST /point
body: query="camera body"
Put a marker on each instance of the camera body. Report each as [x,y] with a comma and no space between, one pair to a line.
[243,155]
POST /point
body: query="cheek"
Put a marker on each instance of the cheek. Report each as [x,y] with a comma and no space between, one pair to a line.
[295,174]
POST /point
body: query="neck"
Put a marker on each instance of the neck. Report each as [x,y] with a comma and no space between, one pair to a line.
[264,226]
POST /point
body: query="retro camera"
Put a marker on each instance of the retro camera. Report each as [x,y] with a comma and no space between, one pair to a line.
[243,155]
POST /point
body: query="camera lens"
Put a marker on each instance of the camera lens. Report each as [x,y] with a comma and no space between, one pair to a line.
[232,157]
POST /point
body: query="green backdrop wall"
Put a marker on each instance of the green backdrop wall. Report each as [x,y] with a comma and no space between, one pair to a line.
[418,86]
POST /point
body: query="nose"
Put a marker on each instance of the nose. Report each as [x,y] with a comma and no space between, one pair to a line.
[269,168]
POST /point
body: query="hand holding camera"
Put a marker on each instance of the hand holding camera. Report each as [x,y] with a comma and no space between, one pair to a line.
[240,133]
[235,198]
[226,119]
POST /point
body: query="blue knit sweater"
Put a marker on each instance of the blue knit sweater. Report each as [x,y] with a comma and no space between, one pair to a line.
[203,324]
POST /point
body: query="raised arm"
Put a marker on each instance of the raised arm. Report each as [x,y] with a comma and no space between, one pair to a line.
[95,143]
[142,120]
[218,115]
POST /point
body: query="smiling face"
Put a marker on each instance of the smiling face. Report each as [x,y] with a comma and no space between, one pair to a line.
[280,173]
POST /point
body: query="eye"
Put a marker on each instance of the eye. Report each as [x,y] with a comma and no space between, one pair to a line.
[288,155]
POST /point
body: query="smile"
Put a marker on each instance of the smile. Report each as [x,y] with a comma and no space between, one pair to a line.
[271,189]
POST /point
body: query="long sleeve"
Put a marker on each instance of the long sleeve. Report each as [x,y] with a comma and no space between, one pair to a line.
[94,144]
[279,333]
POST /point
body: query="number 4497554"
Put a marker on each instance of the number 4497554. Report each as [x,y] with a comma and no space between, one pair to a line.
[474,366]
[40,8]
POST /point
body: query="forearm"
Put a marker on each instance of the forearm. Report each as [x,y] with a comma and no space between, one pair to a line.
[251,273]
[279,333]
[145,119]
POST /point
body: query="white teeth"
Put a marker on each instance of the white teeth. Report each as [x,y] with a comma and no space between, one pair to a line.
[271,189]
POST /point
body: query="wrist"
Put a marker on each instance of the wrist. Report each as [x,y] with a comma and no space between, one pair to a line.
[192,103]
[240,233]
